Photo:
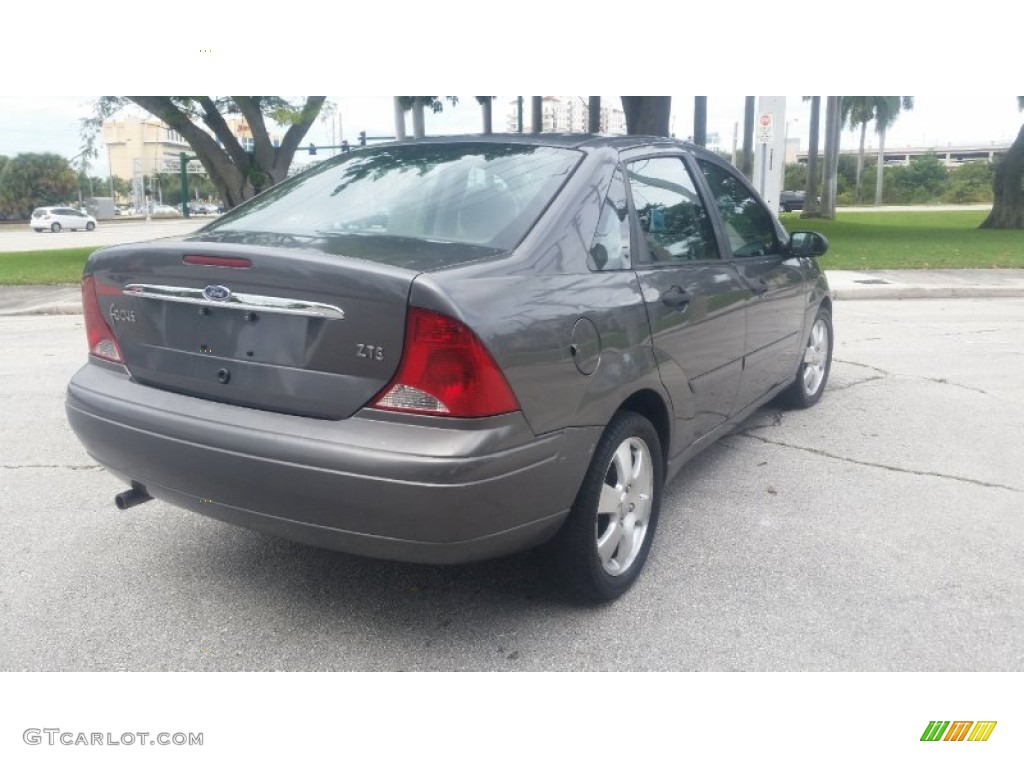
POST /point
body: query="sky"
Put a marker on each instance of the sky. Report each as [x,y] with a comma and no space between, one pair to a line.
[965,83]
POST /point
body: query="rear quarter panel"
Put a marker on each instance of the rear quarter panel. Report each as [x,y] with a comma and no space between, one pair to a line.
[524,308]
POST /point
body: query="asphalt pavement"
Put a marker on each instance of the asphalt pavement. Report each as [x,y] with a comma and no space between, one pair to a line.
[878,531]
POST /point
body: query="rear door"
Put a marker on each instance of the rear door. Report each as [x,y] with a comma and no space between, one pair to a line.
[695,299]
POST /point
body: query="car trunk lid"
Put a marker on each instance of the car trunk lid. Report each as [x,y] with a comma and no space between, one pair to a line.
[296,331]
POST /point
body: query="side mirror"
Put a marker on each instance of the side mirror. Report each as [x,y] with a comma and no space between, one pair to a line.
[807,244]
[599,255]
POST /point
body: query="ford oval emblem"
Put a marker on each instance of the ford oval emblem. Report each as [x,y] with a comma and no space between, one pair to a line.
[217,292]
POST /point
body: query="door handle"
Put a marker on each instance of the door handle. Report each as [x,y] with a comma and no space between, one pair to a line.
[675,297]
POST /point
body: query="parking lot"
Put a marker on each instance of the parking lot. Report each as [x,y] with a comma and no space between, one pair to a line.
[881,530]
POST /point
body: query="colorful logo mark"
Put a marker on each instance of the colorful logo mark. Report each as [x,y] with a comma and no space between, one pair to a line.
[958,730]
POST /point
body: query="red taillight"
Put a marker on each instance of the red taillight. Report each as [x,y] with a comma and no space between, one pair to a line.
[445,371]
[102,342]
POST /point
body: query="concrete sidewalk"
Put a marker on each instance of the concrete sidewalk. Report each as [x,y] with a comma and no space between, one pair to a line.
[845,285]
[925,283]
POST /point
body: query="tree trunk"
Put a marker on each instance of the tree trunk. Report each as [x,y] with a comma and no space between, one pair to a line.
[1008,195]
[419,129]
[747,164]
[833,131]
[236,174]
[700,121]
[647,115]
[399,120]
[227,167]
[485,107]
[594,115]
[880,178]
[860,160]
[537,113]
[811,206]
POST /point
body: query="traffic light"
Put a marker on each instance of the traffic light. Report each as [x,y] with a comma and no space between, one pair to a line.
[362,138]
[312,148]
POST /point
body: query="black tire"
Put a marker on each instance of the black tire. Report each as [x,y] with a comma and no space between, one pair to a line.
[812,374]
[38,229]
[55,227]
[591,576]
[89,227]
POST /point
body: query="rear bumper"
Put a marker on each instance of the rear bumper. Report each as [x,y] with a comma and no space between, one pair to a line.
[420,490]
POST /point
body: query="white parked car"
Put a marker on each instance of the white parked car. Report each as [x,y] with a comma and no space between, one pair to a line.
[55,219]
[162,211]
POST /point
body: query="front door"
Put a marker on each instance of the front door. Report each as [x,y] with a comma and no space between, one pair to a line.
[775,308]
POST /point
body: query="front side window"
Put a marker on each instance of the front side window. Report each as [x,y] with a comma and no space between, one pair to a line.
[675,223]
[748,225]
[473,193]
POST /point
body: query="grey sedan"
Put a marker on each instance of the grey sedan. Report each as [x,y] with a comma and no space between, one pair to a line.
[452,349]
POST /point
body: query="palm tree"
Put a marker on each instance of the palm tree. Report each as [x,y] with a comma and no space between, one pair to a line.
[859,110]
[811,195]
[417,105]
[486,103]
[1008,186]
[887,109]
[399,118]
[833,134]
[747,164]
[700,120]
[594,114]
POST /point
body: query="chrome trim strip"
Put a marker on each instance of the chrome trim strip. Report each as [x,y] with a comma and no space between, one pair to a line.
[244,301]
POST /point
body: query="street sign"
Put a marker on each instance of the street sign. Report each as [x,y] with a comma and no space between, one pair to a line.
[766,128]
[173,165]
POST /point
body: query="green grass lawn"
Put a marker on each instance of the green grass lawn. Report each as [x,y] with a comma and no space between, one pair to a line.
[913,240]
[858,240]
[43,267]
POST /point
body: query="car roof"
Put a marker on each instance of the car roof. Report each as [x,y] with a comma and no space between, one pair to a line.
[584,141]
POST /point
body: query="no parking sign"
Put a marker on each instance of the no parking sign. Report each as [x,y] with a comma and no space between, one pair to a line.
[765,128]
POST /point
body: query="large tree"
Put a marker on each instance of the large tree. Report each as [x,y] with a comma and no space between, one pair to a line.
[29,180]
[201,120]
[1008,186]
[647,115]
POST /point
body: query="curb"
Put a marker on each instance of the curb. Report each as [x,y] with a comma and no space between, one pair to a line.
[898,292]
[67,308]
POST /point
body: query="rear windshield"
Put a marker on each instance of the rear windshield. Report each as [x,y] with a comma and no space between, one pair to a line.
[471,193]
[40,212]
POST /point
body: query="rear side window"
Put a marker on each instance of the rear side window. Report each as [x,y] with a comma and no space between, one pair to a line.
[473,193]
